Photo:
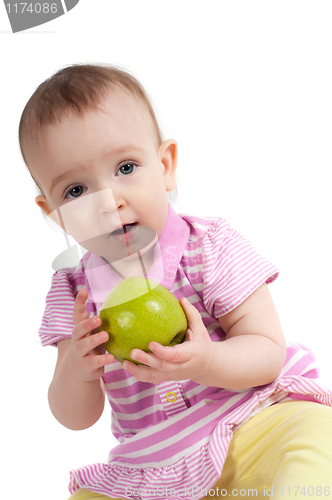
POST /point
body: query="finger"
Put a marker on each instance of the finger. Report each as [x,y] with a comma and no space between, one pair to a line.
[90,343]
[97,363]
[101,360]
[195,322]
[179,353]
[85,327]
[79,312]
[144,357]
[144,373]
[162,358]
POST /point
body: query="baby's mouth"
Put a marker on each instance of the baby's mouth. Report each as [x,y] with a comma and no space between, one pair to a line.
[126,228]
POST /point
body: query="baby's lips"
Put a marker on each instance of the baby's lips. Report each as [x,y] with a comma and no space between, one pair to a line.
[23,16]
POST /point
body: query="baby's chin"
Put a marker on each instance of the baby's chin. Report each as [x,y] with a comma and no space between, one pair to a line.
[112,250]
[142,250]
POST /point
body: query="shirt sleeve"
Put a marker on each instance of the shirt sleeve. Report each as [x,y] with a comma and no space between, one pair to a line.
[57,322]
[232,268]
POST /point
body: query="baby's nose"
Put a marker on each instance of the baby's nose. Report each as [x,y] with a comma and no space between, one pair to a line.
[105,201]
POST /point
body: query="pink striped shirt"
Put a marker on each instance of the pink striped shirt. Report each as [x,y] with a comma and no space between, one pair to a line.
[174,436]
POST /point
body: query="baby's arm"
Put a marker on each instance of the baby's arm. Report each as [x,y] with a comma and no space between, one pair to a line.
[252,354]
[77,394]
[254,349]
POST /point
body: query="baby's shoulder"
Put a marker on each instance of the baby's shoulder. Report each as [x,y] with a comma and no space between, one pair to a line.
[72,277]
[205,227]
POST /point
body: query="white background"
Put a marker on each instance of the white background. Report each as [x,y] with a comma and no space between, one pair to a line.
[245,89]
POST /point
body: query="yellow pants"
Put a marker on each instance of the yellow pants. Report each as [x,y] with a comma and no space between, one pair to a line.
[284,452]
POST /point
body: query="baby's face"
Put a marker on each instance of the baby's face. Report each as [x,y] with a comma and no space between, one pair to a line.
[102,171]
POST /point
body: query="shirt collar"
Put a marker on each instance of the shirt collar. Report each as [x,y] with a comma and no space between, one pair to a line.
[101,278]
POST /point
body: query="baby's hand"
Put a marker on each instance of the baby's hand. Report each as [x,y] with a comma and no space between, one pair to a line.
[87,356]
[189,360]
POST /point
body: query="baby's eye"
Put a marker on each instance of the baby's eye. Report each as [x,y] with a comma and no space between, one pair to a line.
[74,192]
[127,168]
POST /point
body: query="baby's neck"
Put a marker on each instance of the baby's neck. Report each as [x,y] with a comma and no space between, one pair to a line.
[134,267]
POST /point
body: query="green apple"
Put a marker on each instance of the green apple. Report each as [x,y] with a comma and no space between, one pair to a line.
[138,311]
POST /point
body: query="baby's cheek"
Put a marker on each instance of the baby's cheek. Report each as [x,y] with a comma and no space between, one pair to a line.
[91,215]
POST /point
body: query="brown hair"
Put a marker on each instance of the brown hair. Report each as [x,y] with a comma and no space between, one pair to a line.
[77,88]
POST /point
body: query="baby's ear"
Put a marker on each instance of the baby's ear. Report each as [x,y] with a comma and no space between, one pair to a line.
[168,153]
[42,202]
